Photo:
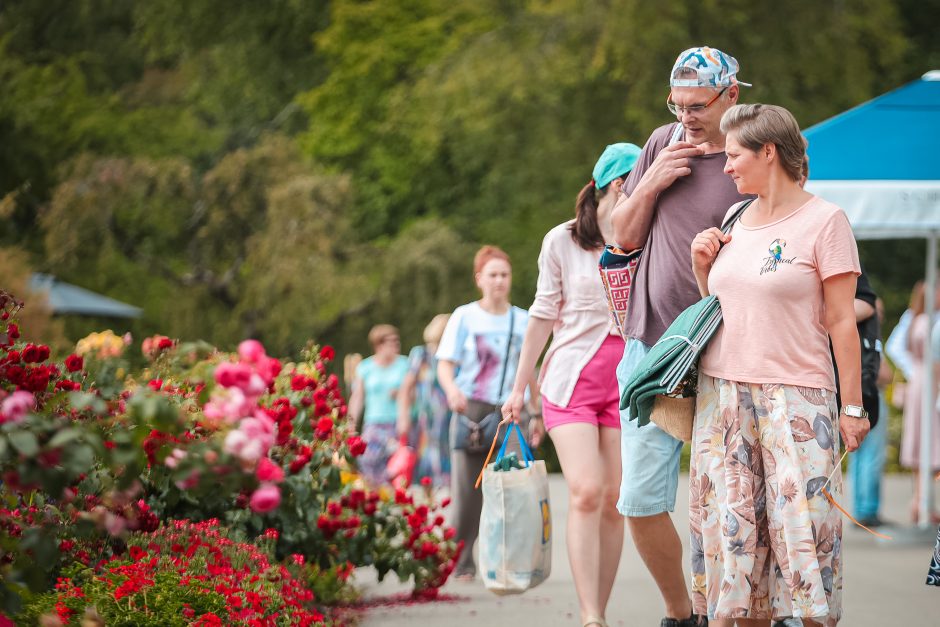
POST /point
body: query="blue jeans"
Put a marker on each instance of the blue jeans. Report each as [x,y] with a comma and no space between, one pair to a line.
[866,466]
[649,455]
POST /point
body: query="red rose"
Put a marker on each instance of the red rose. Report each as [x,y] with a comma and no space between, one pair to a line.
[37,381]
[425,481]
[320,408]
[13,357]
[164,343]
[368,509]
[352,522]
[334,509]
[31,354]
[324,427]
[327,353]
[13,331]
[16,374]
[357,446]
[74,363]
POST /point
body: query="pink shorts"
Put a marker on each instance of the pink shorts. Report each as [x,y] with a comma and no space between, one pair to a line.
[596,396]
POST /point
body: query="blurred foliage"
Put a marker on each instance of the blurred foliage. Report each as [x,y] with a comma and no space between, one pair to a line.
[299,168]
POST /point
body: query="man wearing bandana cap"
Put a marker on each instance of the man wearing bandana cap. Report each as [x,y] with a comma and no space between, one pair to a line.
[677,189]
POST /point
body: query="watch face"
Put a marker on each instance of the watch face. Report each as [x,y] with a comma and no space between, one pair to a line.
[853,411]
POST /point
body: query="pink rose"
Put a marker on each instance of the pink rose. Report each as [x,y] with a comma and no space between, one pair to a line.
[269,472]
[251,351]
[229,404]
[252,439]
[16,406]
[230,375]
[268,368]
[265,499]
[256,385]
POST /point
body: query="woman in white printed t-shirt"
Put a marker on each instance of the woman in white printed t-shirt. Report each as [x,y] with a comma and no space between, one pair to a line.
[477,360]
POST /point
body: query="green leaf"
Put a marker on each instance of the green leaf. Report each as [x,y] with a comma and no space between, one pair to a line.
[78,459]
[64,437]
[24,442]
[81,401]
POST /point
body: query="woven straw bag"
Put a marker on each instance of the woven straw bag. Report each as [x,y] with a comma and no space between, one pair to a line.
[674,416]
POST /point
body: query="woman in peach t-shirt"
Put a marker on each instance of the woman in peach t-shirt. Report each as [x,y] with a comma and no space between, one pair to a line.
[766,543]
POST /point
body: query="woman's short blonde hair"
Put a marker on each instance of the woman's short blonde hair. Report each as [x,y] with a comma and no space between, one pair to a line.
[756,125]
[435,329]
[379,332]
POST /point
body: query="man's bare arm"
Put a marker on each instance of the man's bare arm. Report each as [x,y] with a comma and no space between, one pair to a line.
[633,216]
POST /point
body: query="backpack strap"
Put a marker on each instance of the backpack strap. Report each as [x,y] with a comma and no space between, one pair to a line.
[677,134]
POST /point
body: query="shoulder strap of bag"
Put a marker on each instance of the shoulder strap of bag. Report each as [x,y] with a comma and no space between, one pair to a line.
[729,223]
[502,376]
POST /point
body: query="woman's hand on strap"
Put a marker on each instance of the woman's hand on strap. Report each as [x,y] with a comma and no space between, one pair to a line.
[705,247]
[853,431]
[512,408]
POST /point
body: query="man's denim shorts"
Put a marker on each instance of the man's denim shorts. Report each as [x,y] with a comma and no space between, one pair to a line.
[649,455]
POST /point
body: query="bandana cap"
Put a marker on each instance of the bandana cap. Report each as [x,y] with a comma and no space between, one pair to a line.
[712,67]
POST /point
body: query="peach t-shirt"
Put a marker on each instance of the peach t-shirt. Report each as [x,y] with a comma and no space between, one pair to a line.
[768,280]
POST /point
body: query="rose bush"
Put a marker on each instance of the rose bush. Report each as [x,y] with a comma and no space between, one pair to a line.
[195,434]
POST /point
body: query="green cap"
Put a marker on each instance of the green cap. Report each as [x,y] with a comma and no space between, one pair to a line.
[617,160]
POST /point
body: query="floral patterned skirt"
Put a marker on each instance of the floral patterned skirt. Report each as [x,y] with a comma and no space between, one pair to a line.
[766,543]
[381,441]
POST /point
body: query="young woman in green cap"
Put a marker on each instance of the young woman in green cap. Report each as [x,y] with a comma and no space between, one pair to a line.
[578,380]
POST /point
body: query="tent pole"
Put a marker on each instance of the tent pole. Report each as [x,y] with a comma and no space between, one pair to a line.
[928,411]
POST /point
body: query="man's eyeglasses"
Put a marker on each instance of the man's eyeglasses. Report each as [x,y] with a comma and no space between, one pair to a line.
[677,111]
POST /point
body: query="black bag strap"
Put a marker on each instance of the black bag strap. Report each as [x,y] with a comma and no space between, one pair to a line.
[729,223]
[502,376]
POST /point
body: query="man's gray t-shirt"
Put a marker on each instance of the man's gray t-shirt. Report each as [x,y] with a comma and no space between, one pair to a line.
[664,284]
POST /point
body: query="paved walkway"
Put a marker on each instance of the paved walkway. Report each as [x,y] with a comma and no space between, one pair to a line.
[884,582]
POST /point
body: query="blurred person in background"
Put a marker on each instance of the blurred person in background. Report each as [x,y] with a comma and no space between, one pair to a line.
[374,397]
[920,329]
[482,341]
[578,379]
[423,415]
[867,464]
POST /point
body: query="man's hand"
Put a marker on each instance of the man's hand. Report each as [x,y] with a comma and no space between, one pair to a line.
[671,163]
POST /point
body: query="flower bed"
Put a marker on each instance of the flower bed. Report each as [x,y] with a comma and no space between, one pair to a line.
[183,574]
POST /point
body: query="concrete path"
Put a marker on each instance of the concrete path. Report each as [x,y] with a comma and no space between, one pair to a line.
[884,581]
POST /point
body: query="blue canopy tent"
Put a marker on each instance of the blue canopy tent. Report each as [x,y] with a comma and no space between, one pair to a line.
[880,162]
[67,299]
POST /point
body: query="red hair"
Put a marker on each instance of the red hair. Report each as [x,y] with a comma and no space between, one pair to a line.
[486,255]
